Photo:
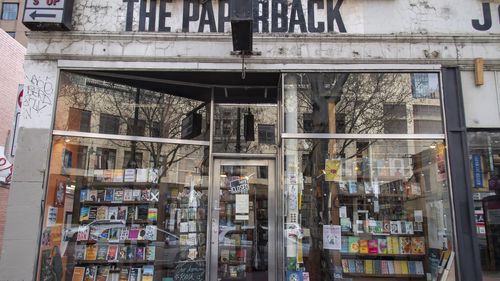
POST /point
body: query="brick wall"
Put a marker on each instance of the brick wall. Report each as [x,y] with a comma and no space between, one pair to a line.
[11,75]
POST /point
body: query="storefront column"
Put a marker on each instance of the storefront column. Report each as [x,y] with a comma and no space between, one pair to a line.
[468,260]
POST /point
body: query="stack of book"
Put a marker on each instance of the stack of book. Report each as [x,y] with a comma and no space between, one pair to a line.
[382,267]
[109,273]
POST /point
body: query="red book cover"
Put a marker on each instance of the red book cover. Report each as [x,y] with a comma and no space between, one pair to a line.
[372,246]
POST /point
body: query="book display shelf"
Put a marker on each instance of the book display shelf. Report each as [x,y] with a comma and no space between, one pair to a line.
[131,227]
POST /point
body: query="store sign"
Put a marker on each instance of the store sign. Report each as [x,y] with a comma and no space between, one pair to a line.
[239,186]
[277,16]
[190,271]
[48,14]
[477,171]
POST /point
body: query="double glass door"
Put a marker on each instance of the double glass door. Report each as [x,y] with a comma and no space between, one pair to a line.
[243,235]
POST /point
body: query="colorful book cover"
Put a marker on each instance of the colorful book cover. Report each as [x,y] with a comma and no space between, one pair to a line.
[142,175]
[136,195]
[102,213]
[145,195]
[150,232]
[404,267]
[379,227]
[390,267]
[382,246]
[113,213]
[147,273]
[78,273]
[90,273]
[392,245]
[150,253]
[84,194]
[108,175]
[92,196]
[102,273]
[373,246]
[345,266]
[412,269]
[91,252]
[100,195]
[118,175]
[84,214]
[363,246]
[112,253]
[123,234]
[418,245]
[135,274]
[103,235]
[353,244]
[344,244]
[345,224]
[404,245]
[108,195]
[139,253]
[122,253]
[384,267]
[123,274]
[377,267]
[369,266]
[118,196]
[395,227]
[352,186]
[133,233]
[92,213]
[79,253]
[129,175]
[419,268]
[122,213]
[127,195]
[131,213]
[397,267]
[352,265]
[131,253]
[114,235]
[360,266]
[153,215]
[83,233]
[102,252]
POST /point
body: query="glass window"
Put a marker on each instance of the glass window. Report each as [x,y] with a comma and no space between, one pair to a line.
[484,155]
[128,162]
[359,103]
[115,104]
[79,120]
[12,34]
[360,209]
[266,134]
[109,223]
[9,11]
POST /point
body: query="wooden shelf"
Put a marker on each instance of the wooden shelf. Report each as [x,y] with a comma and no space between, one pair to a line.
[348,274]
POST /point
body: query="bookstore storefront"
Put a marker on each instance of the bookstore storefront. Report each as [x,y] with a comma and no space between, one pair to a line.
[312,176]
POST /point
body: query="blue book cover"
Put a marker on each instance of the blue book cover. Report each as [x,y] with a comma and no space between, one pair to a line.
[353,188]
[294,276]
[108,195]
[84,194]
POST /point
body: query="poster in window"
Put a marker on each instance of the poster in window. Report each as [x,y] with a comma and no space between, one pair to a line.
[332,237]
[333,170]
[60,194]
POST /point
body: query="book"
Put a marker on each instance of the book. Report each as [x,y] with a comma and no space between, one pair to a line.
[404,267]
[133,233]
[84,214]
[392,245]
[390,267]
[114,235]
[123,274]
[102,273]
[345,266]
[153,215]
[368,266]
[412,268]
[90,273]
[135,274]
[147,273]
[352,187]
[131,253]
[150,253]
[344,244]
[84,194]
[395,227]
[183,227]
[118,175]
[142,212]
[419,268]
[145,195]
[386,226]
[136,195]
[150,232]
[122,213]
[405,245]
[154,195]
[108,175]
[122,253]
[92,213]
[192,226]
[409,227]
[153,176]
[100,195]
[83,233]
[91,252]
[92,196]
[373,246]
[131,213]
[382,246]
[129,175]
[142,175]
[118,196]
[127,194]
[79,253]
[102,251]
[377,267]
[78,273]
[363,246]
[353,244]
[112,253]
[360,266]
[384,267]
[108,195]
[418,245]
[103,235]
[379,227]
[102,213]
[113,213]
[345,224]
[139,253]
[397,267]
[352,265]
[224,255]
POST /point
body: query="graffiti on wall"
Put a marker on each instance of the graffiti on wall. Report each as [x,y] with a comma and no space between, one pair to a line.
[38,96]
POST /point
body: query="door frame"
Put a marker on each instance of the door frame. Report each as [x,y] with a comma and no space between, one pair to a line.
[273,221]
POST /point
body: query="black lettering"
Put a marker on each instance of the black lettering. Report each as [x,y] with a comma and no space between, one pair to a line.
[282,14]
[163,15]
[311,18]
[487,19]
[333,15]
[207,11]
[143,14]
[262,18]
[223,18]
[297,17]
[187,16]
[130,14]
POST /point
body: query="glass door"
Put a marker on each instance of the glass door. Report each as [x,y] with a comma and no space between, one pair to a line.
[243,220]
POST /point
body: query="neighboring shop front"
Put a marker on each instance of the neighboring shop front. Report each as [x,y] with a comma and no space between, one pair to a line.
[321,156]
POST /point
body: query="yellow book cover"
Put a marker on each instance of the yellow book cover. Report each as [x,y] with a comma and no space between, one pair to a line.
[91,252]
[369,266]
[78,273]
[404,267]
[363,246]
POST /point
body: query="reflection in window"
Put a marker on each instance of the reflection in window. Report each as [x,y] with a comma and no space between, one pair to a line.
[425,85]
[105,158]
[139,129]
[79,120]
[128,162]
[9,11]
[109,124]
[266,134]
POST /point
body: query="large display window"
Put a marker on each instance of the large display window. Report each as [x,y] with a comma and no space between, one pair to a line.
[365,179]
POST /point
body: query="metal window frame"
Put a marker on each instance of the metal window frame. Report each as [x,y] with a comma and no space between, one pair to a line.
[8,11]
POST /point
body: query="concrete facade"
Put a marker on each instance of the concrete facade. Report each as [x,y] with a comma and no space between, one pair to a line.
[379,35]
